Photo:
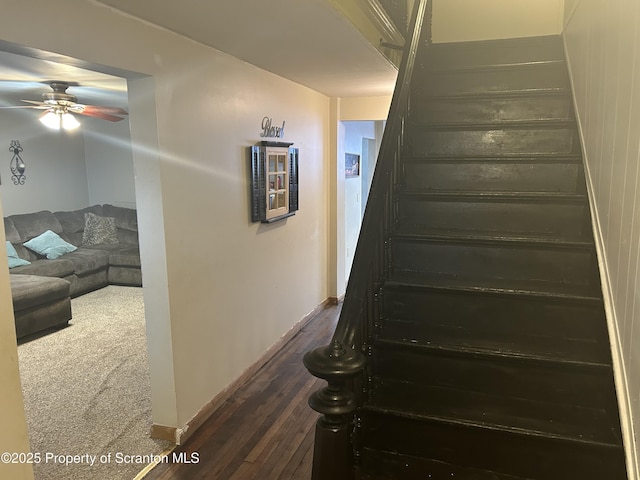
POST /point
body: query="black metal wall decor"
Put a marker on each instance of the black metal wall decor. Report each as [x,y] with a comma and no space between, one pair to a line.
[17,164]
[274,181]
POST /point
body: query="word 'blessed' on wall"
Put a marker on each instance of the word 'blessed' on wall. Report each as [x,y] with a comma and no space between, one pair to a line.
[268,130]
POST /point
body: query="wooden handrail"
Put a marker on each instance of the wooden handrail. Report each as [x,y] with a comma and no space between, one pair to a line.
[342,363]
[397,11]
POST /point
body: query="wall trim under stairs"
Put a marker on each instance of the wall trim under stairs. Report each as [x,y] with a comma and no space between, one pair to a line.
[620,374]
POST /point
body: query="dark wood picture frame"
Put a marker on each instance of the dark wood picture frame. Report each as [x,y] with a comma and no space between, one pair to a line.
[259,180]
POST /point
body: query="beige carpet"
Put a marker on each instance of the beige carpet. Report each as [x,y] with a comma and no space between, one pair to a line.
[87,393]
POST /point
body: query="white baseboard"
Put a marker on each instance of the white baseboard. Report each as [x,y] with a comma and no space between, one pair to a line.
[619,369]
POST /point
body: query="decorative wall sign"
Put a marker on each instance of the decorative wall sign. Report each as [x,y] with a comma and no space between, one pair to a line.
[268,130]
[351,165]
[17,164]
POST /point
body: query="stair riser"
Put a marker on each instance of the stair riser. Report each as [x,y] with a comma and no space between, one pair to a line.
[558,265]
[482,54]
[537,324]
[499,141]
[479,82]
[494,177]
[521,455]
[589,387]
[391,466]
[447,404]
[570,220]
[490,110]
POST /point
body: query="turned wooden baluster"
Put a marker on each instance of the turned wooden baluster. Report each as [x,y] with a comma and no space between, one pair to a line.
[333,452]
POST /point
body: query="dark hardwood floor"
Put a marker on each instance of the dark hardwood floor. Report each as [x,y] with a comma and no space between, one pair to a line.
[265,430]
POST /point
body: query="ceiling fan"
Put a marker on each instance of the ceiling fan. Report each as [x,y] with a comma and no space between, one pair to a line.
[58,105]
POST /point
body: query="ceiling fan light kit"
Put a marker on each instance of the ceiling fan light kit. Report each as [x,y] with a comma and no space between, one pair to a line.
[57,120]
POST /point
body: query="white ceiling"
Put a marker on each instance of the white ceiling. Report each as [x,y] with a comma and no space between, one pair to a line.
[306,41]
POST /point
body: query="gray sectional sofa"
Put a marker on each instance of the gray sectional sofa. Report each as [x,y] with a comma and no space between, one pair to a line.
[42,289]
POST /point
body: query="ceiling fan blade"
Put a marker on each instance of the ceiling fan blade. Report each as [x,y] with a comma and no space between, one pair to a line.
[111,110]
[99,114]
[39,107]
[35,102]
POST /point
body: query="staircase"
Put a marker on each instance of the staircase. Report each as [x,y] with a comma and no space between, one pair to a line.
[488,354]
[491,358]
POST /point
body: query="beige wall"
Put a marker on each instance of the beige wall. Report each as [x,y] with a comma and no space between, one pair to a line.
[365,108]
[232,288]
[603,47]
[109,160]
[465,20]
[13,434]
[40,145]
[569,8]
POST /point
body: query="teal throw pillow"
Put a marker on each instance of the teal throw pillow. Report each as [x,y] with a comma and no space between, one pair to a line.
[50,245]
[14,259]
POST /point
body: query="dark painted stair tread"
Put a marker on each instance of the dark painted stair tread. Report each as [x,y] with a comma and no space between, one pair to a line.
[519,79]
[492,139]
[548,173]
[442,404]
[495,450]
[487,109]
[533,378]
[440,234]
[493,52]
[497,196]
[386,465]
[552,346]
[494,285]
[448,67]
[424,314]
[428,97]
[515,124]
[498,212]
[510,158]
[513,356]
[540,240]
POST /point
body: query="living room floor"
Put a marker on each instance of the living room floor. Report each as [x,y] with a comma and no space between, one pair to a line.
[87,391]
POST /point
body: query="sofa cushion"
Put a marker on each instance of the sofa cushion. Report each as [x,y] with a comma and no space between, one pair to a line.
[129,257]
[10,232]
[50,245]
[60,268]
[126,222]
[125,276]
[30,225]
[28,291]
[88,260]
[13,258]
[99,230]
[120,254]
[73,222]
